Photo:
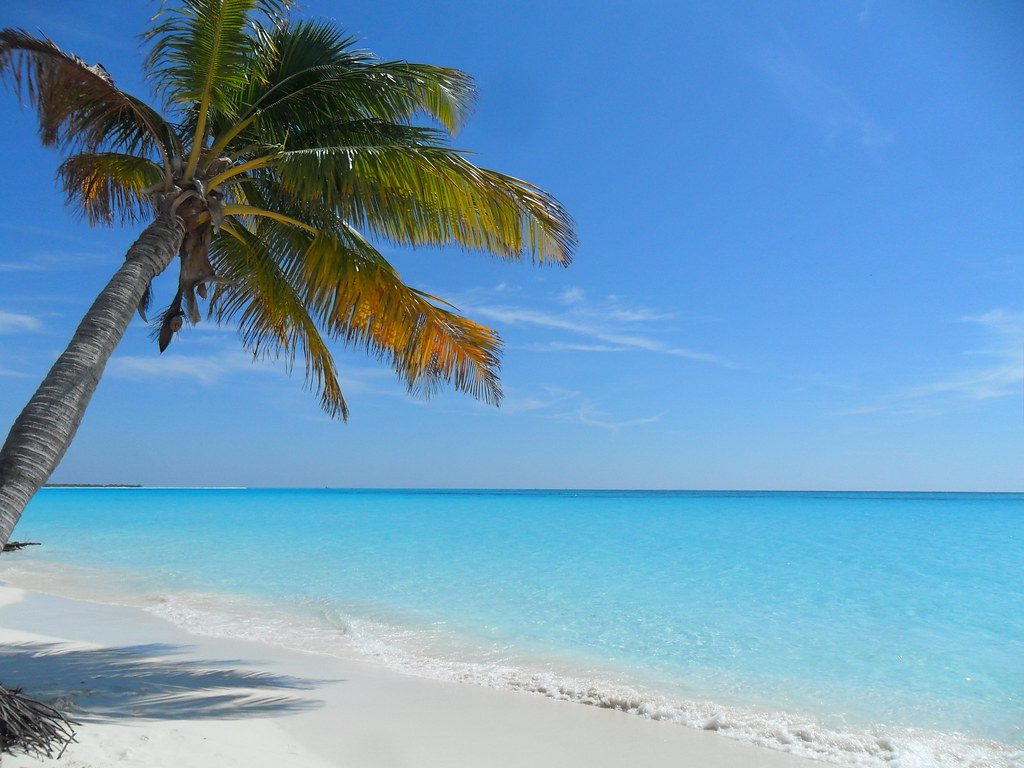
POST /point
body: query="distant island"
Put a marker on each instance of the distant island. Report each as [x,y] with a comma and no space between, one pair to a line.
[91,485]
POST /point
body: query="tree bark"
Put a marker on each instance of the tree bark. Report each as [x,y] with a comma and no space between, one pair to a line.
[44,430]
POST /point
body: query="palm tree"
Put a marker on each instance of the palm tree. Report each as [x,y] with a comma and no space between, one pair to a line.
[281,154]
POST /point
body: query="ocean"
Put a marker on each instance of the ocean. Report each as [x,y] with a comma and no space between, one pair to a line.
[863,629]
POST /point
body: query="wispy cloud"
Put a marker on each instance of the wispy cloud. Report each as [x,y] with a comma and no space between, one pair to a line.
[1003,373]
[566,405]
[813,94]
[617,327]
[594,418]
[204,369]
[40,232]
[568,346]
[210,370]
[548,398]
[866,9]
[637,314]
[52,260]
[995,370]
[21,266]
[572,296]
[12,322]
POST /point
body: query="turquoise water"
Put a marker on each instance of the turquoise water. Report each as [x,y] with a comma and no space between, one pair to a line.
[861,628]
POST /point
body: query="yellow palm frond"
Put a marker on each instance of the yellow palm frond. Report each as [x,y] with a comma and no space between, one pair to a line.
[360,297]
[109,186]
[272,318]
[356,296]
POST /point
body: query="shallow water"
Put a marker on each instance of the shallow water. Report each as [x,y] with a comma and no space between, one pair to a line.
[867,629]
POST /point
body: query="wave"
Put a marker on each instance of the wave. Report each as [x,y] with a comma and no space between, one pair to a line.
[320,627]
[396,648]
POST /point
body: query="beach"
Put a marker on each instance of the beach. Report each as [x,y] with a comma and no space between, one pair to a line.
[148,693]
[545,626]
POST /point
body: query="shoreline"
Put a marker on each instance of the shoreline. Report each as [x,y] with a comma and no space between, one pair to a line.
[757,618]
[147,691]
[202,620]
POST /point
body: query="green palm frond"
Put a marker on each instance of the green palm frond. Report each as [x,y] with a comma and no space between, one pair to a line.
[404,184]
[430,195]
[78,105]
[285,150]
[109,186]
[310,74]
[200,53]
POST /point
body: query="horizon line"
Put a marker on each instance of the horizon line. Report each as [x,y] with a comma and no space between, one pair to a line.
[489,489]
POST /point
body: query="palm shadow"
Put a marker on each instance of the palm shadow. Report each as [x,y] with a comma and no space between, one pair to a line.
[145,681]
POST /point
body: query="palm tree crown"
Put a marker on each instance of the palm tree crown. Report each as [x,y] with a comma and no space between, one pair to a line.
[286,152]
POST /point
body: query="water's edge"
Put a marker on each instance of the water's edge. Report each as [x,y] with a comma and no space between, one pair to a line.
[330,633]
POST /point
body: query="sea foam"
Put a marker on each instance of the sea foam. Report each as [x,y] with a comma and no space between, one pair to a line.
[343,636]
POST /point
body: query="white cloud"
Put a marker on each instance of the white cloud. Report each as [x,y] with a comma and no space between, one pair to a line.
[204,369]
[39,233]
[550,397]
[999,374]
[865,12]
[61,259]
[1003,376]
[608,325]
[592,323]
[551,403]
[1004,323]
[566,346]
[213,369]
[572,296]
[21,266]
[596,419]
[637,314]
[811,93]
[12,322]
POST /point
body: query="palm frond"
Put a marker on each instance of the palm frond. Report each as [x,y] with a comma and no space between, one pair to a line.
[418,194]
[360,298]
[108,186]
[356,296]
[200,53]
[78,105]
[310,73]
[273,320]
[288,149]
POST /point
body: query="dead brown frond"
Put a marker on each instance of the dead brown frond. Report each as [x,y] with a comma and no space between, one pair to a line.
[78,105]
[32,728]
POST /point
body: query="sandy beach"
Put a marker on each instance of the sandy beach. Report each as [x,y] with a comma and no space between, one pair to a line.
[146,693]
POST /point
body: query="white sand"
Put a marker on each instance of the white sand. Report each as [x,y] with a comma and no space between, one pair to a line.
[149,694]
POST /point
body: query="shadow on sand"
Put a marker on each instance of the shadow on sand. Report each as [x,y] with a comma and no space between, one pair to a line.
[146,681]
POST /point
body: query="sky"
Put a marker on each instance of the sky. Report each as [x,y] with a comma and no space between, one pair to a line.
[801,261]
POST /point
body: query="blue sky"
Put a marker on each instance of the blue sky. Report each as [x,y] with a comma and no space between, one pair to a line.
[801,261]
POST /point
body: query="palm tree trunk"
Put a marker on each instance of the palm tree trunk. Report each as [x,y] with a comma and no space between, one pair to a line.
[44,430]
